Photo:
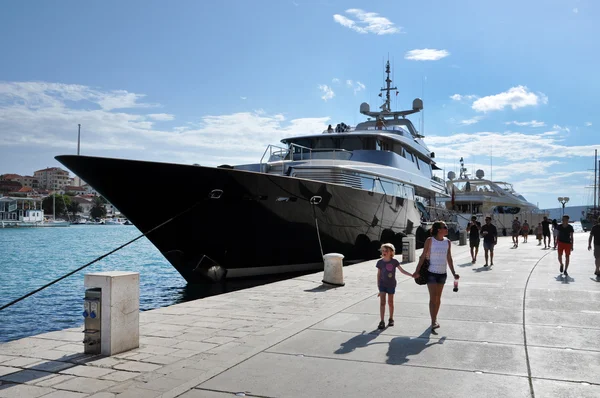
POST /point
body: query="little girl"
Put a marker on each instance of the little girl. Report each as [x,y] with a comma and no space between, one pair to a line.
[386,281]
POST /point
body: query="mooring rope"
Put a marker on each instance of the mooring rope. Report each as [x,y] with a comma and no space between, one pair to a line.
[97,259]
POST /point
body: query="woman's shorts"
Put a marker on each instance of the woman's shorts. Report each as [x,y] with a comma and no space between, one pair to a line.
[437,278]
[388,290]
[488,245]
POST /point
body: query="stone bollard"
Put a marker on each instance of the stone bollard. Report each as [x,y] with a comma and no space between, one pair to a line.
[409,247]
[462,238]
[119,309]
[333,273]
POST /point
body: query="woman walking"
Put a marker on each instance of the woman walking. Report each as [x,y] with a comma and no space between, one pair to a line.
[437,250]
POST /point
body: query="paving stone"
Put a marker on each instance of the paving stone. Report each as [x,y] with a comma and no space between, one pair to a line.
[65,394]
[4,358]
[132,366]
[21,362]
[84,385]
[55,379]
[87,371]
[6,370]
[102,395]
[161,359]
[106,362]
[52,366]
[219,340]
[119,375]
[136,392]
[195,346]
[27,376]
[23,391]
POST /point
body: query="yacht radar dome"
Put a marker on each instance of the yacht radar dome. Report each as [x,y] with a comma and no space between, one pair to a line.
[451,175]
[417,104]
[365,108]
[479,174]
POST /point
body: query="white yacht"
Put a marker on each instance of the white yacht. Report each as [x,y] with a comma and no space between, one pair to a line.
[482,197]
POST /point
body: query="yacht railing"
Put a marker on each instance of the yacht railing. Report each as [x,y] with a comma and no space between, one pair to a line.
[281,154]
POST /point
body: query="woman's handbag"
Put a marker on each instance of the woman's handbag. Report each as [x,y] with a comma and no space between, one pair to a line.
[423,274]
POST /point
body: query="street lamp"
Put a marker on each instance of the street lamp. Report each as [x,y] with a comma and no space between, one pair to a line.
[563,202]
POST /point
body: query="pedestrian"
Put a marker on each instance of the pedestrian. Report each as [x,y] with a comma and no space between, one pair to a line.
[525,230]
[516,231]
[565,242]
[546,232]
[595,233]
[490,238]
[473,230]
[386,281]
[438,250]
[554,232]
[539,230]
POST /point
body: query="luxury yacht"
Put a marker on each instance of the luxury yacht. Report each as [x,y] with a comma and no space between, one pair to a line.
[344,191]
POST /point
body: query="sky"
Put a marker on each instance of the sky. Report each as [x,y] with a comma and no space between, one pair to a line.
[512,86]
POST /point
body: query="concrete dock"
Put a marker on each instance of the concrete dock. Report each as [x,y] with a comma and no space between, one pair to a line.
[517,329]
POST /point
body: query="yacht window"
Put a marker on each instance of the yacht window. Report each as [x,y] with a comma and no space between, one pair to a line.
[352,143]
[324,143]
[386,145]
[410,156]
[424,166]
[399,149]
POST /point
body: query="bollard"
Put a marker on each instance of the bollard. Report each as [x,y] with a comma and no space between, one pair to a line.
[120,309]
[462,238]
[333,273]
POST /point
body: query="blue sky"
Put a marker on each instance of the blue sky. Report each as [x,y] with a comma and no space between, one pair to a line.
[215,82]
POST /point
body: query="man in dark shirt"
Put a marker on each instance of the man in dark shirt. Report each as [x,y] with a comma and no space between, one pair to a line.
[565,242]
[473,230]
[490,238]
[595,233]
[546,232]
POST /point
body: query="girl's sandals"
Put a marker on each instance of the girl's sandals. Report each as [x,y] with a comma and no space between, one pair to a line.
[435,325]
[381,325]
[391,322]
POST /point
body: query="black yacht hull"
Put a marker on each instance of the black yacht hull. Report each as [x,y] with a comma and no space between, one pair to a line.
[223,221]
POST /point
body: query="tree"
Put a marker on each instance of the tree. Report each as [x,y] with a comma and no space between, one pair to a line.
[98,210]
[61,204]
[75,208]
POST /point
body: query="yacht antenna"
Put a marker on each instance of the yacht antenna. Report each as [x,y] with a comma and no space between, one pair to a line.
[386,108]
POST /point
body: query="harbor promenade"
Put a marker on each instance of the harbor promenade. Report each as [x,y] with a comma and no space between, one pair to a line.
[517,329]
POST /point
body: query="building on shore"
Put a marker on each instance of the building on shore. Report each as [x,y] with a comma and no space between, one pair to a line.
[53,178]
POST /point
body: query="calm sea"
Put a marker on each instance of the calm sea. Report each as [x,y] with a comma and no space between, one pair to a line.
[32,257]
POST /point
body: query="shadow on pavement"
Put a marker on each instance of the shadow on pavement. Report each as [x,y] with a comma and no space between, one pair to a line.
[362,340]
[564,279]
[401,348]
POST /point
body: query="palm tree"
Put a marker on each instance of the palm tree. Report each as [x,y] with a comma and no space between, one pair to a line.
[75,208]
[98,210]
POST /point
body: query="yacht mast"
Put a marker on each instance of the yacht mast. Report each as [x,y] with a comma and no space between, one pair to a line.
[386,107]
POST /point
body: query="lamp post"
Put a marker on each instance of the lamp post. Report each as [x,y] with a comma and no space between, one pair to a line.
[563,202]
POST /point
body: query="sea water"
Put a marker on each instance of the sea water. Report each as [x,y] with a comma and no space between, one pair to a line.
[32,257]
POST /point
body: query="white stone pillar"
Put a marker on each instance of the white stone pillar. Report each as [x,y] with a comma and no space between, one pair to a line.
[119,311]
[333,273]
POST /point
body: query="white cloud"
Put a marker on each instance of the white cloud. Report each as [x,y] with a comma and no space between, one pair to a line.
[588,124]
[243,98]
[515,97]
[327,92]
[355,85]
[367,22]
[459,97]
[163,117]
[335,80]
[533,123]
[561,128]
[512,146]
[359,87]
[575,10]
[473,120]
[426,54]
[35,119]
